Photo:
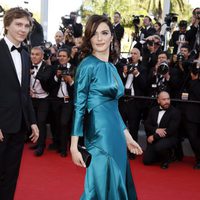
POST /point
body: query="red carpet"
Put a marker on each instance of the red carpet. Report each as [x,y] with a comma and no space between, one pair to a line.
[51,177]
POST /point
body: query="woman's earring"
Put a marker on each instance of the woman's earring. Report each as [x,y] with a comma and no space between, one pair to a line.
[112,45]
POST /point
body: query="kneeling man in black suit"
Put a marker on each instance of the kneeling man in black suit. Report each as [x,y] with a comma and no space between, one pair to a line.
[161,129]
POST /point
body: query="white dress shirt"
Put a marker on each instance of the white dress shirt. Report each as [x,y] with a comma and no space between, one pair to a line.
[35,85]
[160,115]
[17,60]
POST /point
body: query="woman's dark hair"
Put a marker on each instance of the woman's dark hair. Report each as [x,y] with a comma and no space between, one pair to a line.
[90,29]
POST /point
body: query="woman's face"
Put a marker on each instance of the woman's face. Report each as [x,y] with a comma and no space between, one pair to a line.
[102,38]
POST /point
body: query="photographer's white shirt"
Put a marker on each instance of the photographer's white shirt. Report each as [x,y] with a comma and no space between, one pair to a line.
[35,85]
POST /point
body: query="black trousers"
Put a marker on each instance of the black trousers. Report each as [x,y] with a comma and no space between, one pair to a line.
[193,133]
[63,113]
[10,158]
[41,107]
[131,111]
[159,150]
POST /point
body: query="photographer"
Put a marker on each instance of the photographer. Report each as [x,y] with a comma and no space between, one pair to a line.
[158,78]
[36,36]
[180,72]
[150,51]
[134,79]
[59,40]
[62,92]
[39,92]
[179,37]
[77,28]
[146,31]
[194,32]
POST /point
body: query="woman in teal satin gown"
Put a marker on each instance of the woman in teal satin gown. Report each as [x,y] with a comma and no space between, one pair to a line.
[97,90]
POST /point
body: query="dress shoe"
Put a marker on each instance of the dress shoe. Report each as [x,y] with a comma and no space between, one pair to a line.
[38,152]
[197,165]
[33,147]
[164,165]
[63,154]
[52,147]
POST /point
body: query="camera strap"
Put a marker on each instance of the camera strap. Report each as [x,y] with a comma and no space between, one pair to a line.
[159,80]
[63,90]
[129,83]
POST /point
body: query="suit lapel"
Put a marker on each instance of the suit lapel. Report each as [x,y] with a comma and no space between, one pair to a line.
[8,54]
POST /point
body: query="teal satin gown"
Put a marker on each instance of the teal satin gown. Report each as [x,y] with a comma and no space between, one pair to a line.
[97,90]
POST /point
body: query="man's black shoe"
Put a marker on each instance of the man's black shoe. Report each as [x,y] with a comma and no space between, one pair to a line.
[52,147]
[164,165]
[33,147]
[63,154]
[38,152]
[197,165]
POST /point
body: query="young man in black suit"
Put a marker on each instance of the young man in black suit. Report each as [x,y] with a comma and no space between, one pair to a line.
[16,111]
[161,129]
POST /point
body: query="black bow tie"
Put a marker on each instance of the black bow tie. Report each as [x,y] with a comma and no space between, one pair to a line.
[162,109]
[35,66]
[19,49]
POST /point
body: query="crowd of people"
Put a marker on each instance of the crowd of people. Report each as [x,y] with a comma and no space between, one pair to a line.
[161,91]
[145,73]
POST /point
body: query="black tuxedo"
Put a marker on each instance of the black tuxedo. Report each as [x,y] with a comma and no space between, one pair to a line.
[42,105]
[148,32]
[15,102]
[160,146]
[62,112]
[16,115]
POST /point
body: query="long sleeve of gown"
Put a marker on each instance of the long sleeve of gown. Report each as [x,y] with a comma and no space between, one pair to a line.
[81,92]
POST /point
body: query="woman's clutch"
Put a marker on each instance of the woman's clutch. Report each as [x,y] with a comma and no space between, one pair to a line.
[85,154]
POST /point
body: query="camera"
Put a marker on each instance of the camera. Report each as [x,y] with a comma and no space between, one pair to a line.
[136,19]
[163,68]
[180,57]
[65,69]
[2,11]
[46,48]
[131,67]
[67,20]
[171,17]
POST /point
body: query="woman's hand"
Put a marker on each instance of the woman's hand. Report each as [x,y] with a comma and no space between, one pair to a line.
[77,157]
[132,145]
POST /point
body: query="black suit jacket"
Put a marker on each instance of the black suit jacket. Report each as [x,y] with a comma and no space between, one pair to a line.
[139,82]
[44,75]
[175,38]
[55,85]
[192,110]
[170,121]
[15,102]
